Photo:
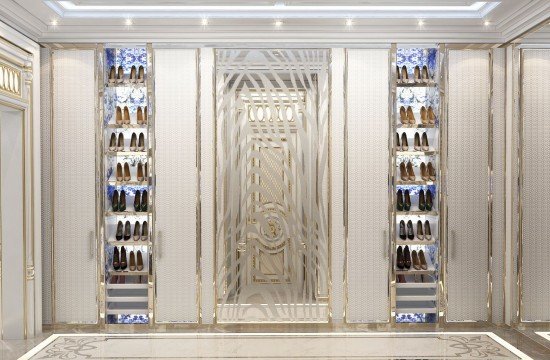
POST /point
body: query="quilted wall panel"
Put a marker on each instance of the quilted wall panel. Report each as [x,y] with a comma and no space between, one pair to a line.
[468,185]
[207,183]
[75,258]
[499,157]
[337,178]
[176,185]
[45,158]
[535,195]
[367,118]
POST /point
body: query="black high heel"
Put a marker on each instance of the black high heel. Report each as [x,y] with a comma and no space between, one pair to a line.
[407,205]
[410,230]
[429,201]
[116,259]
[421,201]
[115,201]
[119,231]
[400,261]
[137,201]
[407,257]
[399,200]
[122,201]
[402,232]
[144,201]
[123,260]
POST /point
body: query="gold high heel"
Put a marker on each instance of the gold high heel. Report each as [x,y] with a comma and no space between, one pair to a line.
[416,74]
[140,172]
[118,116]
[416,142]
[133,74]
[431,115]
[410,171]
[140,116]
[431,171]
[120,143]
[425,145]
[404,142]
[141,74]
[403,115]
[403,172]
[424,172]
[112,75]
[119,172]
[410,115]
[126,172]
[120,75]
[425,74]
[126,115]
[404,75]
[133,142]
[141,142]
[423,115]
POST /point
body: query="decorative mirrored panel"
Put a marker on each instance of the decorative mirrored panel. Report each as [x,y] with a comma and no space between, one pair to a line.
[272,147]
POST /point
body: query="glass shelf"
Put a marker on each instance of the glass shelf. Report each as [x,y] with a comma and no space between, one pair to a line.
[127,126]
[416,126]
[125,85]
[416,84]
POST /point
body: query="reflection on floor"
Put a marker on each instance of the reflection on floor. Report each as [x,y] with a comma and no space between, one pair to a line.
[350,345]
[545,335]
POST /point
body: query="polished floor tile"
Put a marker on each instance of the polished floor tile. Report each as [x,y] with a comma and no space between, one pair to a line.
[343,345]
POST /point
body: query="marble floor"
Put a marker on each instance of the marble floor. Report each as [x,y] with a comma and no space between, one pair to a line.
[544,334]
[335,345]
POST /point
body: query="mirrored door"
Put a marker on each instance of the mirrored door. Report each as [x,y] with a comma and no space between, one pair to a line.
[272,241]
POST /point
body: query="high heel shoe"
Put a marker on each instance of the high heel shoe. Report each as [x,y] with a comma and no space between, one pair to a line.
[431,115]
[132,261]
[417,142]
[399,200]
[116,259]
[139,172]
[141,142]
[403,115]
[421,200]
[410,171]
[123,260]
[423,115]
[137,201]
[398,74]
[145,115]
[415,260]
[112,142]
[424,172]
[118,116]
[403,172]
[425,74]
[397,144]
[404,74]
[122,201]
[419,232]
[410,115]
[407,203]
[126,172]
[402,231]
[120,75]
[126,115]
[422,260]
[112,75]
[115,201]
[429,201]
[410,230]
[427,230]
[133,74]
[144,231]
[407,257]
[119,231]
[417,74]
[144,201]
[139,261]
[127,231]
[140,119]
[120,142]
[400,259]
[404,142]
[431,171]
[133,142]
[119,176]
[141,74]
[425,145]
[137,231]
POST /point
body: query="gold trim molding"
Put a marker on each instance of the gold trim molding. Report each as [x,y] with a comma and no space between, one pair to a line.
[11,80]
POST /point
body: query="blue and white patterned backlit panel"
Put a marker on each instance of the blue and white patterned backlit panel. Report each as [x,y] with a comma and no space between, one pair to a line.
[411,57]
[416,97]
[126,57]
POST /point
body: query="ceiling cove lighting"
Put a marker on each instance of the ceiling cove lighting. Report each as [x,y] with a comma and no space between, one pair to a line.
[279,10]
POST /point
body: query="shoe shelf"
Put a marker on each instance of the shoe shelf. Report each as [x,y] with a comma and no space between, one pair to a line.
[415,120]
[125,103]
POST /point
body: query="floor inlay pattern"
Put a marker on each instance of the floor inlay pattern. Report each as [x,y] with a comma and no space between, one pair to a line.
[442,345]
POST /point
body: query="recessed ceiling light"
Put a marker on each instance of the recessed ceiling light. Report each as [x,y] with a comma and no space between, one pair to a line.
[421,22]
[349,22]
[54,22]
[204,21]
[278,23]
[128,22]
[487,23]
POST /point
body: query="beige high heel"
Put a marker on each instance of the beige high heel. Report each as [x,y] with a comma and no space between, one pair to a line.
[423,115]
[140,172]
[410,115]
[120,143]
[112,75]
[416,74]
[120,75]
[410,171]
[431,115]
[140,120]
[424,172]
[118,116]
[119,172]
[133,74]
[126,172]
[141,75]
[425,74]
[403,115]
[404,74]
[403,172]
[133,142]
[431,171]
[126,115]
[141,142]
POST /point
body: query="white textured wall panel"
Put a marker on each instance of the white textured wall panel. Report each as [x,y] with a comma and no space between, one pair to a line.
[46,183]
[74,104]
[468,185]
[499,193]
[176,185]
[367,118]
[337,181]
[207,183]
[535,195]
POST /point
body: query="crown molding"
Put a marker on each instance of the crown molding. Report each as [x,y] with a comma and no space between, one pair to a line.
[22,20]
[524,19]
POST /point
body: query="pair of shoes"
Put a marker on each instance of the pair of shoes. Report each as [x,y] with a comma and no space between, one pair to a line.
[135,144]
[421,234]
[403,258]
[427,116]
[141,231]
[403,200]
[427,173]
[420,76]
[137,75]
[141,115]
[140,201]
[118,201]
[404,144]
[133,261]
[425,202]
[123,231]
[122,117]
[406,115]
[119,259]
[407,171]
[119,175]
[419,260]
[115,145]
[421,145]
[116,76]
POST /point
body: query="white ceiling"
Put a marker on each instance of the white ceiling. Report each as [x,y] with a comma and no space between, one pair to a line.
[323,21]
